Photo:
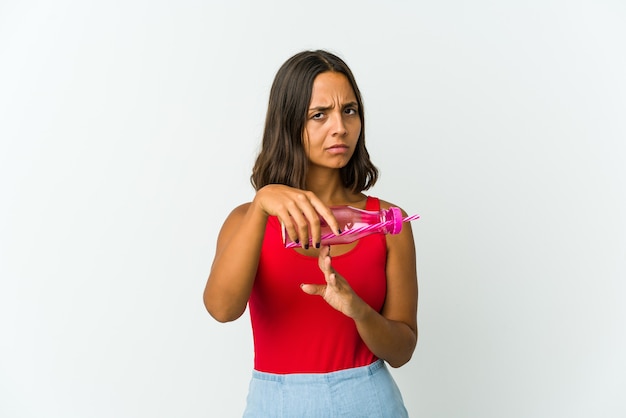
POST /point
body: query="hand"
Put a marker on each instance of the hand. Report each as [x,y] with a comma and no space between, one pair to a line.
[336,292]
[298,210]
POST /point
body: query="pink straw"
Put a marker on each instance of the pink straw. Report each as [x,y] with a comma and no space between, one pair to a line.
[357,230]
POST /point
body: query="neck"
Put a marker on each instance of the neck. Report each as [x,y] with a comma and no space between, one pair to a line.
[327,185]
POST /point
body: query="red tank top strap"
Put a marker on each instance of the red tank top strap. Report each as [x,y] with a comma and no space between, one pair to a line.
[372,203]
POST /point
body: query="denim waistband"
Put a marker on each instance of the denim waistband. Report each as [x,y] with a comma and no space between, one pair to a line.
[320,377]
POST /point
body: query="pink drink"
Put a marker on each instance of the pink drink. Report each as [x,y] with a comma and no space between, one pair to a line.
[355,224]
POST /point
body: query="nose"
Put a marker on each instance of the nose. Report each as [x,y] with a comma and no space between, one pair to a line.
[339,126]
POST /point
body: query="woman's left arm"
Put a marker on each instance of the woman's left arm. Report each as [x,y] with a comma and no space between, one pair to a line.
[392,334]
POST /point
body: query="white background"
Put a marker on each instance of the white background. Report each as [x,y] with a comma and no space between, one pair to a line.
[128,130]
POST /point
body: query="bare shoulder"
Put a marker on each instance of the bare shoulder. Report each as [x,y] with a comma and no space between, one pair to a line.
[405,237]
[234,217]
[240,210]
[386,205]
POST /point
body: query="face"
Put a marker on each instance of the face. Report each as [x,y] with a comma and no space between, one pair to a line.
[333,125]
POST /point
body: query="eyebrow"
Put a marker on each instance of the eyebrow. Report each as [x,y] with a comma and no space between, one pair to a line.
[324,108]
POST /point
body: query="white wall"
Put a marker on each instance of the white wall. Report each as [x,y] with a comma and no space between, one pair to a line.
[127,133]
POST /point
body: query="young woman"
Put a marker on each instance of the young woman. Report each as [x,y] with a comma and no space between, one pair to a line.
[323,327]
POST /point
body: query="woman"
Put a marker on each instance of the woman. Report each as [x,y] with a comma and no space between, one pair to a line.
[323,327]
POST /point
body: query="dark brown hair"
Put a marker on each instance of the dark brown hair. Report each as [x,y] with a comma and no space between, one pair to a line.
[282,159]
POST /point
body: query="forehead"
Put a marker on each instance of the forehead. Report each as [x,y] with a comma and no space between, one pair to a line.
[332,86]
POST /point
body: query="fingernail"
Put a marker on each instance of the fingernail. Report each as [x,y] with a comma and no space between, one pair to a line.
[339,230]
[306,246]
[297,241]
[317,245]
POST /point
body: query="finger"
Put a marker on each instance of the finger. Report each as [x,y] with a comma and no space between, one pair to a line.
[313,289]
[327,264]
[324,253]
[312,218]
[332,280]
[290,217]
[287,230]
[300,222]
[327,215]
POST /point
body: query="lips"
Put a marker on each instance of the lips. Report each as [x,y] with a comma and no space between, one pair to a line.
[338,149]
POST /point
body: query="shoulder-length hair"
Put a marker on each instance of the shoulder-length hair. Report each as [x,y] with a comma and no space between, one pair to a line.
[283,159]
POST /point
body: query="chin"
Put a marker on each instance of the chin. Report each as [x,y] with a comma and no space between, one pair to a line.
[341,165]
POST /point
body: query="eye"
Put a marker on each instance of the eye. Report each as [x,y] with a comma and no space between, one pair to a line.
[317,116]
[351,111]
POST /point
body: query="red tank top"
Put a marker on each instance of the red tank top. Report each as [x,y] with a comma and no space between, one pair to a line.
[295,332]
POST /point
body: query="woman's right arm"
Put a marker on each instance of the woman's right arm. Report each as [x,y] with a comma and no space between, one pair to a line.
[239,244]
[234,266]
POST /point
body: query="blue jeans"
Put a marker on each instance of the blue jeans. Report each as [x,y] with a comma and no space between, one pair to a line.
[367,391]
